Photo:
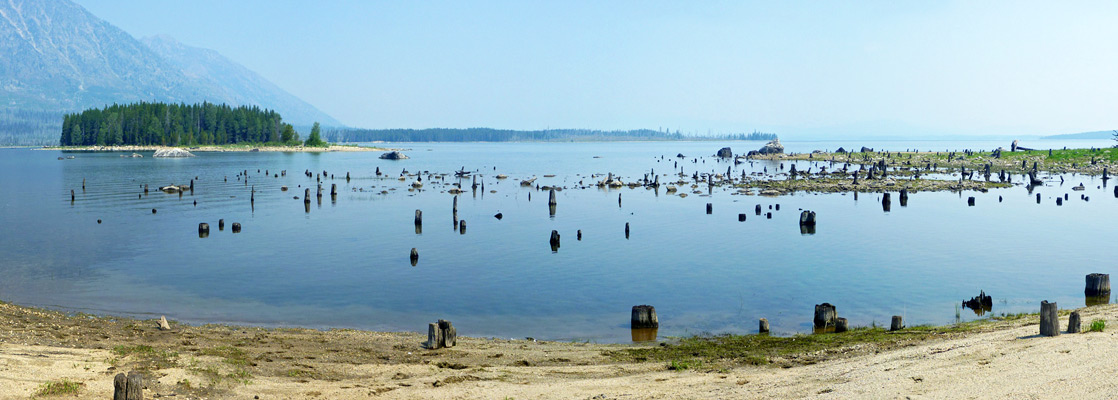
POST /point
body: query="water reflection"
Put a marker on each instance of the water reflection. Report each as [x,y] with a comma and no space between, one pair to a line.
[644,334]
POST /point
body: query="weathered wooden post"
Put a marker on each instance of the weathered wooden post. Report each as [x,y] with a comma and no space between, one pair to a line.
[886,202]
[551,197]
[644,317]
[448,335]
[1074,322]
[454,206]
[462,227]
[841,325]
[825,315]
[554,240]
[414,256]
[763,327]
[236,227]
[120,387]
[434,336]
[203,230]
[807,218]
[418,218]
[1097,285]
[626,230]
[897,323]
[741,217]
[970,201]
[129,387]
[710,208]
[1049,320]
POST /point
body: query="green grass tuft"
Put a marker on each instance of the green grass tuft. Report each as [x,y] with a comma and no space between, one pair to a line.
[58,388]
[1097,325]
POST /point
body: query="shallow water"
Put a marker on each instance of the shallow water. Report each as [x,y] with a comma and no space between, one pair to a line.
[345,262]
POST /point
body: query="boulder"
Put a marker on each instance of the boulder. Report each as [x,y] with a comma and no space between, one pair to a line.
[393,155]
[773,147]
[725,153]
[172,153]
[866,150]
[171,189]
[840,150]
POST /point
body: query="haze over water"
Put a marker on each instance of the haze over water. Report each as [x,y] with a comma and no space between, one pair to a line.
[345,263]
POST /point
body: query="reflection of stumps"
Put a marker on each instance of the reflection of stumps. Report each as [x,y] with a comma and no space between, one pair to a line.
[554,240]
[1097,285]
[1074,322]
[307,195]
[904,197]
[897,323]
[825,315]
[1049,321]
[414,256]
[418,218]
[757,209]
[71,195]
[763,326]
[886,203]
[644,316]
[454,206]
[333,189]
[841,325]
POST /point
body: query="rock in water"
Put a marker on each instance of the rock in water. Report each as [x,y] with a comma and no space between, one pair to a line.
[172,153]
[725,153]
[393,155]
[773,147]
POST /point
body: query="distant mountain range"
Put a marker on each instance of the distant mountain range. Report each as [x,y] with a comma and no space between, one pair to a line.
[57,57]
[1083,135]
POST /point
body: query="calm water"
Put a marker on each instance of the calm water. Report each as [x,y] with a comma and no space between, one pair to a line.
[345,263]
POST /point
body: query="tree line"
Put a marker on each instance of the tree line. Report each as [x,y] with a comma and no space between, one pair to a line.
[340,135]
[179,125]
[28,127]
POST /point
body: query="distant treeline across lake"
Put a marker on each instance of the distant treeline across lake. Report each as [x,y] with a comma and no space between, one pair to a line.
[505,135]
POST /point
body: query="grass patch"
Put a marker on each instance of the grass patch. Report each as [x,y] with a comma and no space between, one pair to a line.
[146,357]
[702,352]
[1097,325]
[58,388]
[231,355]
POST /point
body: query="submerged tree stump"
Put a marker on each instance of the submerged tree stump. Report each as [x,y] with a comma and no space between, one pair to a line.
[1049,320]
[970,201]
[897,323]
[236,227]
[554,240]
[1097,284]
[841,325]
[710,208]
[807,218]
[741,217]
[1074,322]
[644,316]
[763,326]
[203,229]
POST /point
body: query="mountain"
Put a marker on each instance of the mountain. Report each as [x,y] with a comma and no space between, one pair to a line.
[238,84]
[1083,135]
[57,57]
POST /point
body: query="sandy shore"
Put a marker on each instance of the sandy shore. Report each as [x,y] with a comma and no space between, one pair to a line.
[1004,359]
[204,149]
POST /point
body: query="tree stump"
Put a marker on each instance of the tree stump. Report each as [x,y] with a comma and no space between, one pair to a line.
[741,217]
[462,227]
[1049,320]
[1097,285]
[120,387]
[1059,201]
[434,336]
[897,323]
[236,227]
[1074,322]
[626,230]
[578,235]
[307,195]
[710,208]
[203,230]
[825,315]
[333,189]
[554,240]
[763,326]
[644,316]
[551,198]
[414,256]
[221,224]
[418,218]
[757,209]
[886,203]
[841,325]
[970,201]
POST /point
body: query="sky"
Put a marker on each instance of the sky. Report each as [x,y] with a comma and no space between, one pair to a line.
[807,69]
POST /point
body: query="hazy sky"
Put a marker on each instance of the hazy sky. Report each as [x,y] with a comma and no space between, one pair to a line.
[794,68]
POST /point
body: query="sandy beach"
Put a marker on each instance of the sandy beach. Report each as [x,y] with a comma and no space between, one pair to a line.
[1000,359]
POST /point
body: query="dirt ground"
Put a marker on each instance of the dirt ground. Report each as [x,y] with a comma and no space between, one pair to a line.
[1008,360]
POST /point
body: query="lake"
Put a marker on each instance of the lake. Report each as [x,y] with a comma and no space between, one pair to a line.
[345,264]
